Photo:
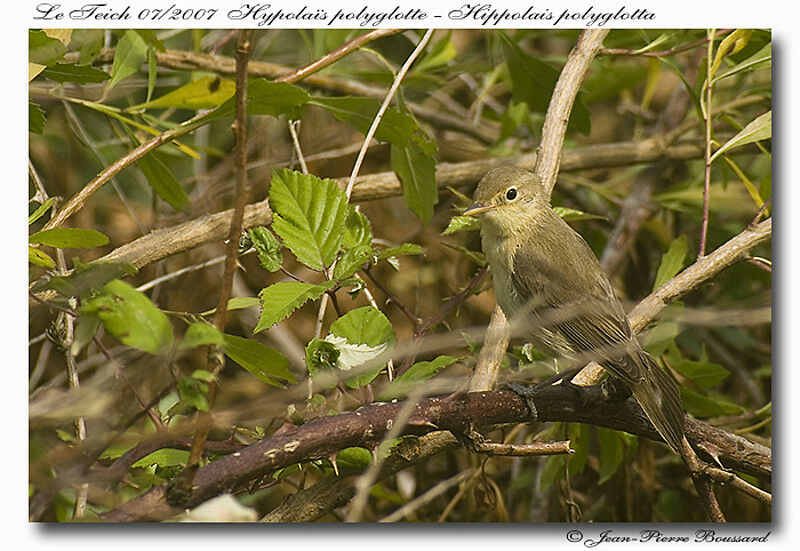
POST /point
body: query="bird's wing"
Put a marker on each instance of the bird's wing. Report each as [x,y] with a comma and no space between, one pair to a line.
[570,306]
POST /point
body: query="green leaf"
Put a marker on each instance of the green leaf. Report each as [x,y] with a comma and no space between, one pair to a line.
[309,216]
[39,258]
[417,373]
[129,55]
[416,170]
[163,182]
[236,303]
[402,250]
[351,261]
[760,60]
[193,392]
[533,82]
[281,299]
[365,325]
[702,406]
[512,118]
[475,256]
[204,93]
[395,127]
[73,238]
[265,98]
[462,223]
[87,278]
[129,316]
[152,71]
[571,215]
[353,459]
[166,457]
[44,50]
[704,374]
[578,434]
[321,355]
[439,55]
[71,72]
[758,129]
[86,327]
[357,229]
[201,334]
[262,361]
[660,338]
[672,262]
[553,470]
[40,210]
[611,453]
[36,118]
[267,247]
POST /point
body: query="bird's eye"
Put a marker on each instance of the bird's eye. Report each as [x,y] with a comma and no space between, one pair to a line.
[511,194]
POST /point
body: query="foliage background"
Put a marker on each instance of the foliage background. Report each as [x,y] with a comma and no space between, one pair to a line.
[82,120]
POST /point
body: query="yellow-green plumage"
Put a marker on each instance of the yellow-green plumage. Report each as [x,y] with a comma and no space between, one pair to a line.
[551,286]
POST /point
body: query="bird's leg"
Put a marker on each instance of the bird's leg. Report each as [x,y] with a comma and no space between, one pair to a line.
[529,392]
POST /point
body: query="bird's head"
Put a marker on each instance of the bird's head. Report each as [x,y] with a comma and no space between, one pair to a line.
[506,198]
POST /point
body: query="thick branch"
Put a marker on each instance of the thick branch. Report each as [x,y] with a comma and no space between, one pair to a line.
[322,437]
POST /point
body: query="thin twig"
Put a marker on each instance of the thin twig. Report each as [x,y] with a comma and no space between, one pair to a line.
[707,121]
[427,497]
[662,53]
[243,48]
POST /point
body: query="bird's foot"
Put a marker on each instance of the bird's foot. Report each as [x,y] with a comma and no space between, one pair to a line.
[470,439]
[525,392]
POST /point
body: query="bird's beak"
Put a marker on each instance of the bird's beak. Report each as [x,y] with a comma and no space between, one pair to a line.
[477,208]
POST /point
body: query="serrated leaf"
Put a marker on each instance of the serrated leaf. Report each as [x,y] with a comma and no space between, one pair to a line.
[758,129]
[281,299]
[204,93]
[262,361]
[129,316]
[267,248]
[357,229]
[416,171]
[40,258]
[129,55]
[73,238]
[417,373]
[72,72]
[533,82]
[462,223]
[671,262]
[354,355]
[611,453]
[309,216]
[365,325]
[352,261]
[36,118]
[43,49]
[200,334]
[86,278]
[320,355]
[163,182]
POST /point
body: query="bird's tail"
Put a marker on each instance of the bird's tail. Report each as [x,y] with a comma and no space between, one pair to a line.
[658,395]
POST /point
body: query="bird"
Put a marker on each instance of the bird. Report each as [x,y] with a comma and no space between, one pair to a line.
[554,292]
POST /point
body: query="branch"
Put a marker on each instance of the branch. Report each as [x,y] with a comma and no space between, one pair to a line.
[323,436]
[557,117]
